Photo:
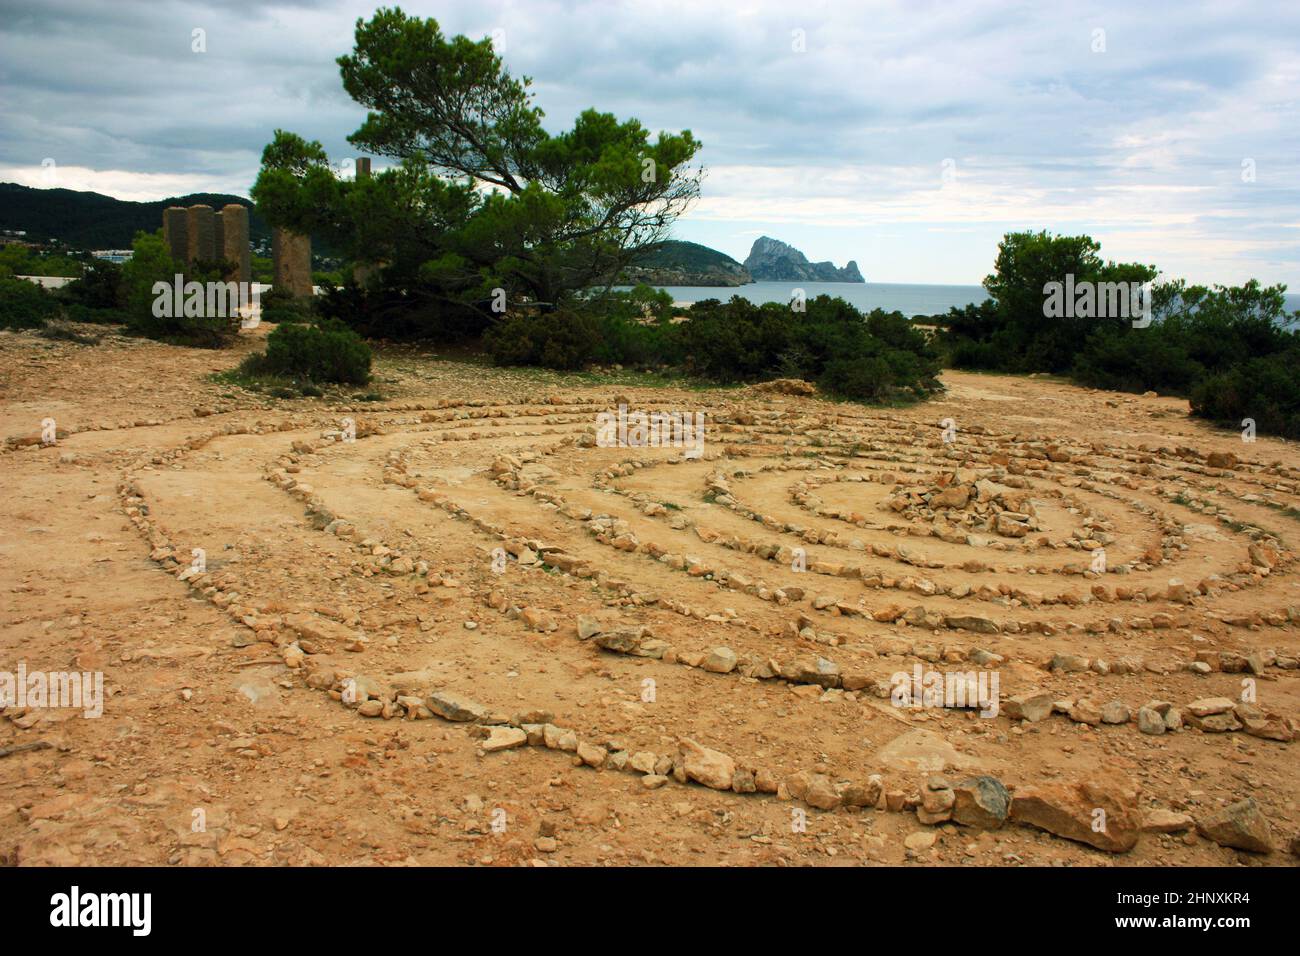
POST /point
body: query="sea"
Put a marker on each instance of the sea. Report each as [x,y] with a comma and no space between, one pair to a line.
[907,298]
[891,296]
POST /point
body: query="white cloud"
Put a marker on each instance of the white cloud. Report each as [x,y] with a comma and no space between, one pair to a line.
[139,187]
[1140,146]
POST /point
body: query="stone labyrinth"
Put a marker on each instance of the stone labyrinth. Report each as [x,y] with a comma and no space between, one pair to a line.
[737,621]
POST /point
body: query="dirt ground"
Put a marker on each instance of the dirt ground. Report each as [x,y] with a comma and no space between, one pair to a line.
[472,553]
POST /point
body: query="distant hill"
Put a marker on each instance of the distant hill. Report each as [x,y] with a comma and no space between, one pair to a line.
[673,262]
[86,220]
[771,260]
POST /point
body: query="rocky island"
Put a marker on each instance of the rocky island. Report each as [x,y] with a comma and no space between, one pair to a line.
[771,260]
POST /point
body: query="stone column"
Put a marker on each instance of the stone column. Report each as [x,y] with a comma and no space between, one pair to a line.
[201,228]
[176,233]
[218,235]
[291,252]
[234,241]
[362,271]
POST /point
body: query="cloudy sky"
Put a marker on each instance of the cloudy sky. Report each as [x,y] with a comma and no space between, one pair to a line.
[908,136]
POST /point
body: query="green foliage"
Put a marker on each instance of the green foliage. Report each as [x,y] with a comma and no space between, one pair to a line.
[877,357]
[874,358]
[324,352]
[20,260]
[562,212]
[88,220]
[24,304]
[420,310]
[100,286]
[1226,347]
[1012,332]
[279,306]
[77,312]
[685,257]
[1196,333]
[1265,389]
[560,340]
[151,264]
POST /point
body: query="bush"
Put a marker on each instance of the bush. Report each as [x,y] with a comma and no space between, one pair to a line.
[25,305]
[100,286]
[324,352]
[21,260]
[1136,362]
[279,306]
[866,379]
[62,332]
[1223,347]
[76,312]
[1266,390]
[876,357]
[413,310]
[560,340]
[151,264]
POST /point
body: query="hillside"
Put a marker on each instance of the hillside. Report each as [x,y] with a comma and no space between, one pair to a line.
[674,262]
[771,260]
[88,220]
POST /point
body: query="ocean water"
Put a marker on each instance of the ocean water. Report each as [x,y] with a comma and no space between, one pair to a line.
[910,299]
[890,296]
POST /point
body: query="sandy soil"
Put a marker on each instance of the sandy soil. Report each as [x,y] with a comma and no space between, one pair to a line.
[454,547]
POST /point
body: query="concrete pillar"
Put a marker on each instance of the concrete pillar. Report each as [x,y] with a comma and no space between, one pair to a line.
[201,228]
[291,252]
[176,232]
[362,271]
[218,235]
[234,241]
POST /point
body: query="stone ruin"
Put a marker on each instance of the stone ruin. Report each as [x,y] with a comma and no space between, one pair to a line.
[291,255]
[199,233]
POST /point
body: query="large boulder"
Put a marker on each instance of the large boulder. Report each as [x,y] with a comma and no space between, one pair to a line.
[452,706]
[636,641]
[1241,825]
[981,802]
[710,767]
[1101,812]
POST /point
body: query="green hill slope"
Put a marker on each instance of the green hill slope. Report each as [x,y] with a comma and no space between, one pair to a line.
[674,262]
[87,220]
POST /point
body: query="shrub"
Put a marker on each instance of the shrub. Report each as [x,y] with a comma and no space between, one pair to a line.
[868,379]
[151,264]
[560,340]
[100,286]
[325,352]
[874,357]
[1223,347]
[25,305]
[280,306]
[1266,390]
[1136,361]
[414,311]
[76,312]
